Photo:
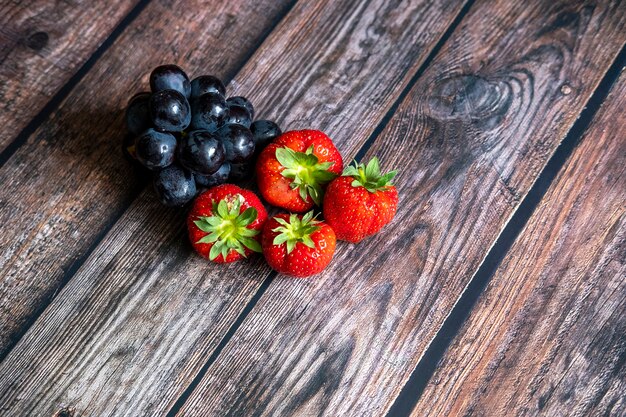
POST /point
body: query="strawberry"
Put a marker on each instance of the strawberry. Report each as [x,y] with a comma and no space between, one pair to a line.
[293,170]
[297,245]
[360,202]
[225,223]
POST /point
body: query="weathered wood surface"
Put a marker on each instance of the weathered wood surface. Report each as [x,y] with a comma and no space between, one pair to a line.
[469,140]
[63,189]
[42,44]
[548,336]
[137,322]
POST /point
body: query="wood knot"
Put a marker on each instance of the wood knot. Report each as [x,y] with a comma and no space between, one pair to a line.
[37,41]
[470,98]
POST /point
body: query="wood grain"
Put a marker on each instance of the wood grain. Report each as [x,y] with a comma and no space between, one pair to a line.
[42,44]
[64,188]
[469,140]
[138,321]
[548,336]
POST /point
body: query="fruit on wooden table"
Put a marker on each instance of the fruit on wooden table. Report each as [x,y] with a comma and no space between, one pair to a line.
[207,84]
[225,223]
[154,149]
[170,77]
[175,186]
[242,102]
[209,111]
[360,202]
[201,152]
[263,132]
[238,115]
[170,111]
[298,245]
[193,125]
[294,169]
[194,140]
[238,143]
[138,113]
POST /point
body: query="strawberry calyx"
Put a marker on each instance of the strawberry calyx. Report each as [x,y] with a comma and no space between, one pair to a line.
[369,176]
[227,228]
[307,173]
[296,230]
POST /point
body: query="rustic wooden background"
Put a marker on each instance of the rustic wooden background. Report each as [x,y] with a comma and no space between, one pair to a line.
[499,289]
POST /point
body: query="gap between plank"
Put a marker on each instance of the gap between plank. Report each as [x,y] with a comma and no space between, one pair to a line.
[410,394]
[45,113]
[56,99]
[418,74]
[180,402]
[182,399]
[36,122]
[67,275]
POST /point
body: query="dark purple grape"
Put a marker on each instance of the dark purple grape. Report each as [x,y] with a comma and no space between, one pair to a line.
[170,111]
[240,172]
[207,84]
[243,102]
[208,112]
[138,113]
[218,177]
[170,77]
[264,132]
[238,115]
[201,152]
[155,150]
[174,186]
[238,143]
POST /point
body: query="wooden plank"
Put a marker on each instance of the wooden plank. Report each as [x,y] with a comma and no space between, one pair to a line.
[469,140]
[547,336]
[42,44]
[138,321]
[70,181]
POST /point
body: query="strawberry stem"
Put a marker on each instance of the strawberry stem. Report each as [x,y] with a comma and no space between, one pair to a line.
[227,228]
[296,230]
[308,175]
[369,176]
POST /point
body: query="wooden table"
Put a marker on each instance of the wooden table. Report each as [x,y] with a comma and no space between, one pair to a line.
[498,290]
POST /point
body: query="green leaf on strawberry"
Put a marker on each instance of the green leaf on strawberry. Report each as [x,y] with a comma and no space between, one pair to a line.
[306,173]
[369,176]
[227,228]
[296,230]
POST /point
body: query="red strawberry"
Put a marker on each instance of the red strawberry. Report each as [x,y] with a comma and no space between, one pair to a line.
[225,223]
[298,245]
[293,170]
[360,202]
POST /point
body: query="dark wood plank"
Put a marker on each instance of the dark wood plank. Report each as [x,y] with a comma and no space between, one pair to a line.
[548,335]
[70,181]
[469,140]
[138,321]
[42,44]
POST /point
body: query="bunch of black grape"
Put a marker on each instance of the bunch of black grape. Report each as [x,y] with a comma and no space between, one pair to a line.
[191,136]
